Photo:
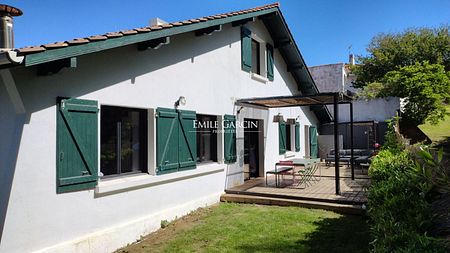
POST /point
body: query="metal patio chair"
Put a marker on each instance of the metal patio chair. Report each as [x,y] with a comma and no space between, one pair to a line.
[307,175]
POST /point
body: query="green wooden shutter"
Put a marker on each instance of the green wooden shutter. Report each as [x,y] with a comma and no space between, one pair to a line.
[282,137]
[269,49]
[187,152]
[246,49]
[167,131]
[297,137]
[230,138]
[313,141]
[77,145]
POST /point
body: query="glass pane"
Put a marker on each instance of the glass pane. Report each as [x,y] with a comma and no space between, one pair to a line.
[130,142]
[206,138]
[108,139]
[255,58]
[123,140]
[288,137]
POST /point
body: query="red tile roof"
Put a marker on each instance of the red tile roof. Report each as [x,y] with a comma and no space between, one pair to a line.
[109,35]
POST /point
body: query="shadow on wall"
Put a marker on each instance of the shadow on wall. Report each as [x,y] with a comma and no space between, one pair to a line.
[11,126]
[94,72]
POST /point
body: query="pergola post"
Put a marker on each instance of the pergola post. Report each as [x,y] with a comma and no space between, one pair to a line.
[352,161]
[336,142]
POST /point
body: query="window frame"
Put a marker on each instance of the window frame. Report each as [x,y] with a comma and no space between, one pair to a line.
[144,151]
[262,58]
[213,144]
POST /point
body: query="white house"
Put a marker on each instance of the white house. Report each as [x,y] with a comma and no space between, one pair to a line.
[104,137]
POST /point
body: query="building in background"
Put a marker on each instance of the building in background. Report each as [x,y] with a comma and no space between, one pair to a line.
[369,115]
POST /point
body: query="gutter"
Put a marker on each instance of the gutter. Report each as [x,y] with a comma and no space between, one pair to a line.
[10,57]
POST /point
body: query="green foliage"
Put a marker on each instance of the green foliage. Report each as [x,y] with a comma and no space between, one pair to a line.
[414,65]
[392,141]
[164,223]
[387,162]
[399,208]
[430,166]
[388,52]
[426,88]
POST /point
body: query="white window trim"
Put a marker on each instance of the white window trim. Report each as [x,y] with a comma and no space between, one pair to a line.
[262,60]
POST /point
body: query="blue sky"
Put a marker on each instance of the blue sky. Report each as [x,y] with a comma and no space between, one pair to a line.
[323,29]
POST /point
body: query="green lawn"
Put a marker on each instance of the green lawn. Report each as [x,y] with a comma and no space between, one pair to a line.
[252,228]
[439,132]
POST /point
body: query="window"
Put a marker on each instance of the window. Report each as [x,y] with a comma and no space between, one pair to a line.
[123,140]
[206,138]
[288,138]
[256,61]
[256,55]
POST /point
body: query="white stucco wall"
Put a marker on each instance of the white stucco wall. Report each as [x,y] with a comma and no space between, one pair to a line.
[206,70]
[379,109]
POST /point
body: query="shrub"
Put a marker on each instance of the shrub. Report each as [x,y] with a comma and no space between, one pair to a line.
[399,205]
[387,162]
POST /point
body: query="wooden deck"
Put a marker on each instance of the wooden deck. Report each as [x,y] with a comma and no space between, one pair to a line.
[353,192]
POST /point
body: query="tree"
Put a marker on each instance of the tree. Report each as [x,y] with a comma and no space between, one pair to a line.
[414,65]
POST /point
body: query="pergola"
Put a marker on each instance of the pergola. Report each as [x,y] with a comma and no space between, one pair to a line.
[320,99]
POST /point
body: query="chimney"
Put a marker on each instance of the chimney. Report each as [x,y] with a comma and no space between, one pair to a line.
[6,26]
[157,21]
[351,59]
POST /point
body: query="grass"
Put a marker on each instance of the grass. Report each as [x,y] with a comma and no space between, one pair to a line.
[439,132]
[231,227]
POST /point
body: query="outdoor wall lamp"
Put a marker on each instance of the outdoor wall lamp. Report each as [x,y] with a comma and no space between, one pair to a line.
[240,109]
[180,101]
[278,118]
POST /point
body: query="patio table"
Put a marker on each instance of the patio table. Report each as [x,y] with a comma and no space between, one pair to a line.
[280,171]
[305,161]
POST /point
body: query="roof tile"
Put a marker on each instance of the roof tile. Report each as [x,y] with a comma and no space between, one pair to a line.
[28,50]
[97,38]
[155,27]
[55,45]
[77,41]
[143,29]
[113,35]
[128,32]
